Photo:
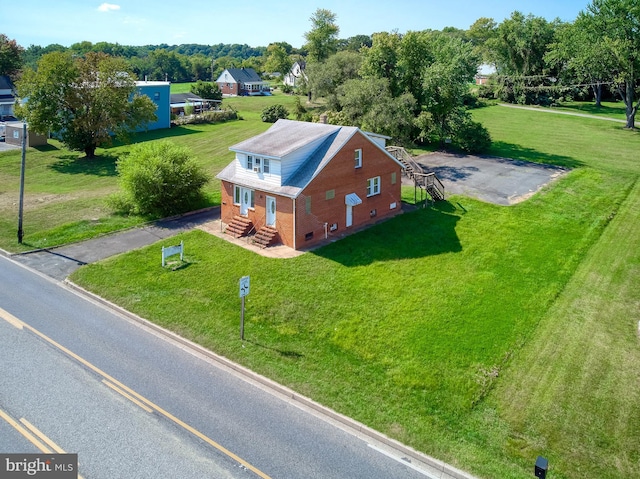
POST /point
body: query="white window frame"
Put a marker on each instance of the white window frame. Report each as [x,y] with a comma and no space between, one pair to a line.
[236,195]
[249,162]
[373,186]
[266,165]
[357,158]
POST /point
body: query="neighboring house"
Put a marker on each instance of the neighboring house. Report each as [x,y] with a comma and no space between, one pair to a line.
[300,183]
[484,72]
[159,92]
[295,75]
[241,82]
[8,98]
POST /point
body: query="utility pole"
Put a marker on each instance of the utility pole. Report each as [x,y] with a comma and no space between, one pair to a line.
[22,167]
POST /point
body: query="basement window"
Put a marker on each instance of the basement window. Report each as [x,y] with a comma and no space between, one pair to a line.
[308,236]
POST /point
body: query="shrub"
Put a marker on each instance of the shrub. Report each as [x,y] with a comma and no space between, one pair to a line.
[273,113]
[159,179]
[472,137]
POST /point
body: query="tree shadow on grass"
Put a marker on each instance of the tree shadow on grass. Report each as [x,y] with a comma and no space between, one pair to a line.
[592,109]
[505,150]
[417,234]
[103,165]
[142,136]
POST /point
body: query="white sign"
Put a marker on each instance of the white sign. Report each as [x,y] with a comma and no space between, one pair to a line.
[244,286]
[171,250]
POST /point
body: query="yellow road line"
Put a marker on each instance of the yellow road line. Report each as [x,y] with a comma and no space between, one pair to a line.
[42,437]
[128,396]
[24,432]
[11,319]
[57,449]
[144,400]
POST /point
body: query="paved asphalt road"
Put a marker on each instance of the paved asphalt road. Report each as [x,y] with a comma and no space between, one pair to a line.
[67,399]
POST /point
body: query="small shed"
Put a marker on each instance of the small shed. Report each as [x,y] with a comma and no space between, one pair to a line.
[13,135]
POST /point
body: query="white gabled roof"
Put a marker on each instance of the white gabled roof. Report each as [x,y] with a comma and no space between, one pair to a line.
[287,136]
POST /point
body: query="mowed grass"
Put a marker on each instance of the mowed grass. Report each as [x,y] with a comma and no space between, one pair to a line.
[65,193]
[480,334]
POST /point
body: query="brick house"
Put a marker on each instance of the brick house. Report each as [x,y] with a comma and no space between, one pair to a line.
[301,183]
[241,82]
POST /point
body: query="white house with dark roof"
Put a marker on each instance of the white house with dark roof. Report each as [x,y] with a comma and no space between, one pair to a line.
[301,183]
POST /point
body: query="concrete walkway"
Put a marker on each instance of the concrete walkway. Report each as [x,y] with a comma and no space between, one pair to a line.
[60,262]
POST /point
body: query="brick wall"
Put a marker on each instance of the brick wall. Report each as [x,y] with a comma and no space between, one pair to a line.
[340,177]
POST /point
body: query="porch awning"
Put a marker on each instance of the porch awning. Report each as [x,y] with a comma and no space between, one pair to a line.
[352,200]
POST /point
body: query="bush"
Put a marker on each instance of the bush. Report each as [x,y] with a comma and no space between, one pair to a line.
[472,137]
[273,113]
[215,116]
[159,179]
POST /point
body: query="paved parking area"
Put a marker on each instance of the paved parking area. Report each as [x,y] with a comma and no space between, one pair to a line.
[500,181]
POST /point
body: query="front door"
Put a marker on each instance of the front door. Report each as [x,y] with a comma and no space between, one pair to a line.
[349,221]
[271,211]
[245,201]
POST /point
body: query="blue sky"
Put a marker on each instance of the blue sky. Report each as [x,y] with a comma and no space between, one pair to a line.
[144,22]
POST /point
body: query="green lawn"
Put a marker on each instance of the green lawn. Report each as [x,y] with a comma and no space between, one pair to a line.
[480,334]
[65,193]
[611,109]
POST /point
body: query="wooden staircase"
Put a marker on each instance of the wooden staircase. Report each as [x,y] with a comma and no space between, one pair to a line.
[427,181]
[239,226]
[265,236]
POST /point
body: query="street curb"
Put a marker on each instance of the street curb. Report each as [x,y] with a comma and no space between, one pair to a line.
[446,471]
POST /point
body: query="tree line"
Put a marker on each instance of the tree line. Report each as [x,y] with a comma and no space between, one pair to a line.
[414,87]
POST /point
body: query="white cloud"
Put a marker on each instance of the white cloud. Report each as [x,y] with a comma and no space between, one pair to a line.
[108,7]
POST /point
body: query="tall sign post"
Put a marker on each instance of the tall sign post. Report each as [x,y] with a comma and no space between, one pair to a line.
[244,290]
[22,166]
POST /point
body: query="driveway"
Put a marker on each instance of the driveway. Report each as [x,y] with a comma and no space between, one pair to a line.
[495,180]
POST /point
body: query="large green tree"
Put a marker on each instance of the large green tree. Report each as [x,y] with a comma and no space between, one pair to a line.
[617,27]
[10,56]
[581,57]
[520,43]
[327,76]
[445,84]
[369,104]
[322,39]
[85,100]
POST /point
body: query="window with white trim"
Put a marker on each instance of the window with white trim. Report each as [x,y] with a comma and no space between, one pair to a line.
[373,186]
[266,167]
[236,195]
[257,165]
[250,162]
[357,158]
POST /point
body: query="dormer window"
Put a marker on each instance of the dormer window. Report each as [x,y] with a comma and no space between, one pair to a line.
[357,158]
[250,162]
[266,167]
[257,165]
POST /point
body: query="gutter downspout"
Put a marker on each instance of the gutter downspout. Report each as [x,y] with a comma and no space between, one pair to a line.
[294,223]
